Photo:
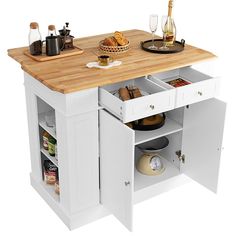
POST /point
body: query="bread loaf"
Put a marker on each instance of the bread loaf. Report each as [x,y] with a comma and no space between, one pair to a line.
[110,41]
[124,94]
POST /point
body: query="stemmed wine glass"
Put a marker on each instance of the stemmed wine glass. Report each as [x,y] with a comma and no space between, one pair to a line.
[153,21]
[165,32]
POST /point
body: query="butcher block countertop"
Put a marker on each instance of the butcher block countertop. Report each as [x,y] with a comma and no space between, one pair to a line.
[67,75]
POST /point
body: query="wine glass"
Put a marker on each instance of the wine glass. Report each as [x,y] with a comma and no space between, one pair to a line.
[153,20]
[165,31]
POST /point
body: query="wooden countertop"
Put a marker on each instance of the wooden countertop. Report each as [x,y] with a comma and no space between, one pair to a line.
[70,74]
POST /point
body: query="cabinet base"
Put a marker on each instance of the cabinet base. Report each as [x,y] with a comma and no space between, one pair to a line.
[159,188]
[71,221]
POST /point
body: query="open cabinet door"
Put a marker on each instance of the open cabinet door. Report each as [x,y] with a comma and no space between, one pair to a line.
[202,139]
[117,168]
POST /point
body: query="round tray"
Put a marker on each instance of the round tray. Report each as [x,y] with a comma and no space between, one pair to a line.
[113,49]
[177,47]
[137,125]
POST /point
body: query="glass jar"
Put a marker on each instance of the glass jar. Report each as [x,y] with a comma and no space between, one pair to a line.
[45,136]
[51,146]
[35,39]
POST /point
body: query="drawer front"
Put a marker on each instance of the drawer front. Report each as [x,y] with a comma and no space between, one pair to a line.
[195,92]
[148,105]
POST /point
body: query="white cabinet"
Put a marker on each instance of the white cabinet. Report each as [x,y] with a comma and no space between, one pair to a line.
[97,151]
[197,138]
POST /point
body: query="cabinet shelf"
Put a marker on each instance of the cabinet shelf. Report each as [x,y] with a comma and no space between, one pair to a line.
[170,127]
[43,124]
[51,158]
[142,181]
[50,189]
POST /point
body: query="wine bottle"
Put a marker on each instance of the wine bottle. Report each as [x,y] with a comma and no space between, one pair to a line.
[170,28]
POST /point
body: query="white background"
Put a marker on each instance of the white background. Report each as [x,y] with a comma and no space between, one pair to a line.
[188,210]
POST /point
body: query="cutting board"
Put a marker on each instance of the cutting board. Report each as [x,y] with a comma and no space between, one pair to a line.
[65,53]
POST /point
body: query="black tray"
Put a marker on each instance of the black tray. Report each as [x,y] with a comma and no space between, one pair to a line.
[177,47]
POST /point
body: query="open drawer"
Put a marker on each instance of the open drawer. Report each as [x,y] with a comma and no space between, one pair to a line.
[156,99]
[200,87]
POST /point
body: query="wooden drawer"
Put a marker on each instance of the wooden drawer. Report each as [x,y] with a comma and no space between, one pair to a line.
[156,99]
[201,86]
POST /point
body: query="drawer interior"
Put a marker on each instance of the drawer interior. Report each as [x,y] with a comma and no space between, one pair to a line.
[184,74]
[146,86]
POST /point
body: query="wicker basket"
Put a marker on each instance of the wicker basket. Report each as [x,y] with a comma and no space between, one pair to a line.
[113,49]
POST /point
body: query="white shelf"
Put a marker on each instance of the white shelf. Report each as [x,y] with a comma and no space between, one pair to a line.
[51,158]
[169,127]
[43,124]
[51,190]
[143,181]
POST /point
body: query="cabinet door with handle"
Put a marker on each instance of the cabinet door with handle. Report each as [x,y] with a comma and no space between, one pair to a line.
[202,141]
[116,167]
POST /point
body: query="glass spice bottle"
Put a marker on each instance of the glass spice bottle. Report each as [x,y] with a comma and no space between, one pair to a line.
[45,136]
[51,146]
[35,39]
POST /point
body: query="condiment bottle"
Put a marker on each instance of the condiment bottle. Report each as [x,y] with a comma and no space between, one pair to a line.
[35,39]
[51,146]
[51,30]
[45,136]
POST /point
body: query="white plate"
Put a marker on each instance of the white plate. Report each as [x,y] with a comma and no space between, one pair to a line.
[96,65]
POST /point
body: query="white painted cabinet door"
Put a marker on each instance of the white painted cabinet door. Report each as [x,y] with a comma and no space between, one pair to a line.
[117,167]
[202,139]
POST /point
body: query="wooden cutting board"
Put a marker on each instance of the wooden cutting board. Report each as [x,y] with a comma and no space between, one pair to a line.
[65,53]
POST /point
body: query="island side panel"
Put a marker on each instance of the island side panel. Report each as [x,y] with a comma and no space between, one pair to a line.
[77,143]
[33,129]
[78,159]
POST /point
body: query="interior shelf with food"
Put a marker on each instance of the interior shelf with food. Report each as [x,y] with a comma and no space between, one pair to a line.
[50,177]
[48,145]
[48,149]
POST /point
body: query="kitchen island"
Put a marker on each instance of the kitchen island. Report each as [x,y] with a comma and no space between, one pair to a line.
[96,150]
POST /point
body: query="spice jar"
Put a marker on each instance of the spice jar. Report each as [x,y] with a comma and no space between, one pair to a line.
[45,136]
[35,39]
[51,146]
